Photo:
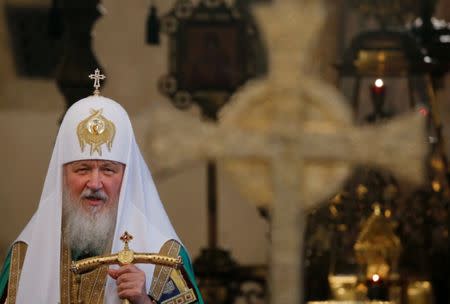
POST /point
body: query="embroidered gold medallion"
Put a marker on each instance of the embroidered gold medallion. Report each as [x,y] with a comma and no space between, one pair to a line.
[95,131]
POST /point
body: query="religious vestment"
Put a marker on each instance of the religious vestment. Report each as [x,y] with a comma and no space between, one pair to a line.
[37,267]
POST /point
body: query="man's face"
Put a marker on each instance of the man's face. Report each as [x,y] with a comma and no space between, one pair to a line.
[96,183]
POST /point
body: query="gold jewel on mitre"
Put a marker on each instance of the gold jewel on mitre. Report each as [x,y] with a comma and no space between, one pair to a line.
[96,130]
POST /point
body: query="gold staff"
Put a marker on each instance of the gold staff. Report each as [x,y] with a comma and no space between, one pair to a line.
[124,257]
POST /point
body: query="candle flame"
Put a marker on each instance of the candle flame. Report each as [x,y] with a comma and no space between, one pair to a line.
[379,83]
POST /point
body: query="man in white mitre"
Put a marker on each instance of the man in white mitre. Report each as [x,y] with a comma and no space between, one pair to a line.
[97,187]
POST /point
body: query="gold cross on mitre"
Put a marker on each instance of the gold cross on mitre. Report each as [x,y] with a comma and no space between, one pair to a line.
[97,77]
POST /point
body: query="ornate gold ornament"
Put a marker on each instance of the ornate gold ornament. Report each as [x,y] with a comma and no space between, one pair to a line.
[378,248]
[96,130]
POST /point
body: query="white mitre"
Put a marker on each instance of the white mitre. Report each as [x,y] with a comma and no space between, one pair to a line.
[93,128]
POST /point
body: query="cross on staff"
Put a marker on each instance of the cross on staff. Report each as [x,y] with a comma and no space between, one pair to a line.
[97,77]
[126,238]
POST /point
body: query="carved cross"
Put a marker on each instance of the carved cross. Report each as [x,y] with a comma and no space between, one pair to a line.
[97,77]
[305,166]
[302,130]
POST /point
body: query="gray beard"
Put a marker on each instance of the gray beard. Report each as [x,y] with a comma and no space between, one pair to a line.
[87,233]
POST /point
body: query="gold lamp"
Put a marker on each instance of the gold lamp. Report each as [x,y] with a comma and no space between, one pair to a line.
[377,251]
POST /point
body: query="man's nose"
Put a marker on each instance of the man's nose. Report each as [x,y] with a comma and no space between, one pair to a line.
[95,180]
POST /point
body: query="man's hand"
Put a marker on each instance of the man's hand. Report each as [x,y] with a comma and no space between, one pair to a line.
[130,282]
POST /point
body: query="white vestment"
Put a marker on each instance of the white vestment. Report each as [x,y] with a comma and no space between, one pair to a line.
[140,211]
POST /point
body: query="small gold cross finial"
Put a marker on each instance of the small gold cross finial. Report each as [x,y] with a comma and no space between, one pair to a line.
[126,237]
[97,77]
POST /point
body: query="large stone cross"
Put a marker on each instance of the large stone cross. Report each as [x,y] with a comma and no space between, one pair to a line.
[287,139]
